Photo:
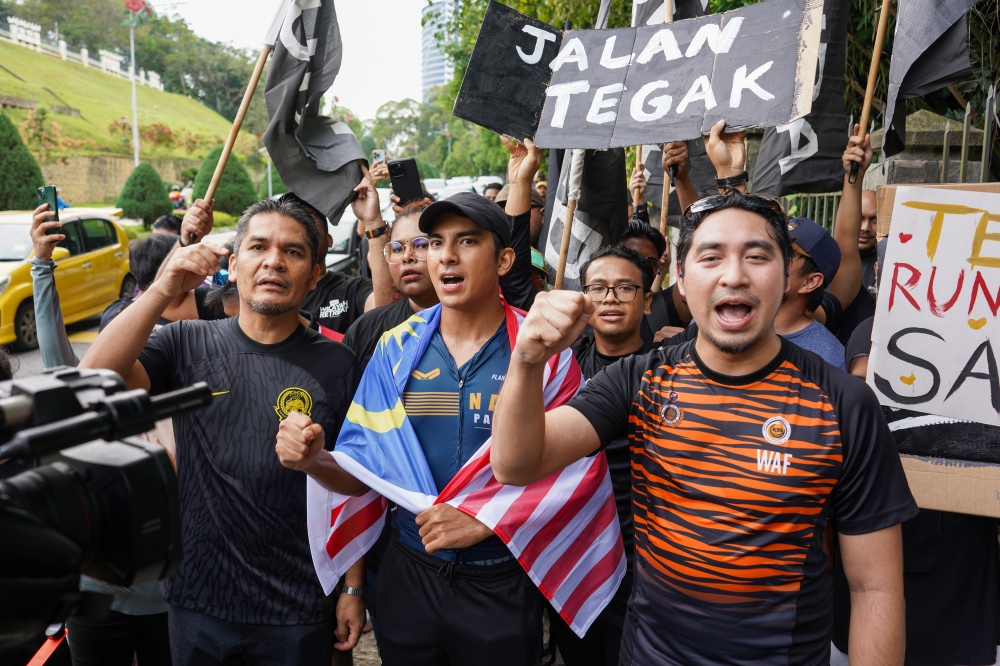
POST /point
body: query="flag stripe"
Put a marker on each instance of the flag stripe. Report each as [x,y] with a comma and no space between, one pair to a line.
[356,525]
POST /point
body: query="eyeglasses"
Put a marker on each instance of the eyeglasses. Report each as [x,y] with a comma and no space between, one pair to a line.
[394,250]
[221,278]
[716,201]
[625,293]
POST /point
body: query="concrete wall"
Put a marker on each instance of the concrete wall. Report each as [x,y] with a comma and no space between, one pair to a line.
[84,179]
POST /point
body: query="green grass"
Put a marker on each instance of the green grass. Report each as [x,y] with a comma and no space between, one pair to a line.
[101,99]
[222,221]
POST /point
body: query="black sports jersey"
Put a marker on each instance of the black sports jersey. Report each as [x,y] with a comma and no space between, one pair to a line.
[363,335]
[868,262]
[842,321]
[243,515]
[338,300]
[733,480]
[619,459]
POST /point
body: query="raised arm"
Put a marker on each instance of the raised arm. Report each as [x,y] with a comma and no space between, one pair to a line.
[368,210]
[728,152]
[873,564]
[847,282]
[676,154]
[528,442]
[518,284]
[53,342]
[119,345]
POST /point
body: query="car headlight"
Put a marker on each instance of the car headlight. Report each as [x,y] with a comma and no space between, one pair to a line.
[4,283]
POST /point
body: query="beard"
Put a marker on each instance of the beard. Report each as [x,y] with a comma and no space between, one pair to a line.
[270,309]
[735,347]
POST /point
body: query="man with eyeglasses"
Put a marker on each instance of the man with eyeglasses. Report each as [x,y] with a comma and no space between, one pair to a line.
[617,280]
[743,445]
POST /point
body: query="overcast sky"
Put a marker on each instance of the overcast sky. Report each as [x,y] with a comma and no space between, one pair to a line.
[393,26]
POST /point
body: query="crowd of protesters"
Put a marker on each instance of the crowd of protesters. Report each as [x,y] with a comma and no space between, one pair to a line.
[763,509]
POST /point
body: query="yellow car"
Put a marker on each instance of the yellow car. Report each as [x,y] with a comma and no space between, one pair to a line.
[92,270]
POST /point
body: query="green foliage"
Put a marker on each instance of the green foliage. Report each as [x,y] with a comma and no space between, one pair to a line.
[277,185]
[21,175]
[189,174]
[144,196]
[236,191]
[221,220]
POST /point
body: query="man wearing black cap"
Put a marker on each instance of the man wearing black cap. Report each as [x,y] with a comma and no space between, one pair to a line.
[448,572]
[814,263]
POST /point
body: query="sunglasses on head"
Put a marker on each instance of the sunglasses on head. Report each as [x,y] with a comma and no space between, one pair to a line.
[716,201]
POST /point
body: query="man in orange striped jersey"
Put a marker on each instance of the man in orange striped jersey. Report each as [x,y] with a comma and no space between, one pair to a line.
[743,446]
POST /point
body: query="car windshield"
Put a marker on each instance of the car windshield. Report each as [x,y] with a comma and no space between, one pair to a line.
[15,242]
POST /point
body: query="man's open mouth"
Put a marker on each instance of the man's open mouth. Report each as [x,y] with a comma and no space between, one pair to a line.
[734,314]
[451,281]
[272,283]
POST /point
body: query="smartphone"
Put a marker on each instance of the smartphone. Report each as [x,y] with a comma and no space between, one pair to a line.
[378,156]
[47,195]
[405,179]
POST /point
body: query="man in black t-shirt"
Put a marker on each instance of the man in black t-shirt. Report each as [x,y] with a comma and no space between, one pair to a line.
[246,588]
[618,281]
[743,445]
[868,239]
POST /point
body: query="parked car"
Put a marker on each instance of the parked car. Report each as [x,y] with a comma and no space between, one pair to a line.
[93,270]
[455,189]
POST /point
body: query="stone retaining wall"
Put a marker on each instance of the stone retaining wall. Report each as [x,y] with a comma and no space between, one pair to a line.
[85,179]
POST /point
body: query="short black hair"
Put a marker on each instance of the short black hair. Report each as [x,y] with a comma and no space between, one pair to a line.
[776,220]
[287,207]
[639,229]
[146,255]
[816,295]
[216,297]
[415,208]
[170,223]
[6,368]
[492,186]
[622,252]
[320,219]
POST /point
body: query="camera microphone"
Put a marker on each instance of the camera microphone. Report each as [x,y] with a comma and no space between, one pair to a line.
[116,416]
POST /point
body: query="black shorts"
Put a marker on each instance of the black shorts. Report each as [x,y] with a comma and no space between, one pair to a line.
[197,639]
[433,612]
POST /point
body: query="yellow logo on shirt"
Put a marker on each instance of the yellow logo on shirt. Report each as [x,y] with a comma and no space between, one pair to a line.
[436,372]
[293,399]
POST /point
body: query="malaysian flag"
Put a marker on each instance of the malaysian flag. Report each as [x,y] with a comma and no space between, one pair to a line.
[563,529]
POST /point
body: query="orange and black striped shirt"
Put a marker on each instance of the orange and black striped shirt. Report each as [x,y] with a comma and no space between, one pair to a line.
[733,480]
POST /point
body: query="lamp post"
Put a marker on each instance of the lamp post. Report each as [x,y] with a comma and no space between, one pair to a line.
[135,105]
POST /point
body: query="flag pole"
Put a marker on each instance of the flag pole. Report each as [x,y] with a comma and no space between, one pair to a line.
[866,110]
[668,10]
[572,195]
[234,132]
[635,191]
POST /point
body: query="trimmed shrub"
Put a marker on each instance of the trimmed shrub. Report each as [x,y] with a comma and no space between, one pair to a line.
[277,185]
[236,192]
[21,175]
[144,197]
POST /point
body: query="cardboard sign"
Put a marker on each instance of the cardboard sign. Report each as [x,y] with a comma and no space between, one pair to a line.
[754,67]
[936,315]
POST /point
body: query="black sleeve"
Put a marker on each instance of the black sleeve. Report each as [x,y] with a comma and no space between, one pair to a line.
[518,285]
[872,492]
[160,355]
[607,398]
[688,334]
[359,290]
[834,312]
[641,212]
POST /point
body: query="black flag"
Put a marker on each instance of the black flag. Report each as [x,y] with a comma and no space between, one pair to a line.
[930,51]
[652,12]
[805,156]
[316,156]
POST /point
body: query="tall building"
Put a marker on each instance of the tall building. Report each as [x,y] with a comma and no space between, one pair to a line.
[436,69]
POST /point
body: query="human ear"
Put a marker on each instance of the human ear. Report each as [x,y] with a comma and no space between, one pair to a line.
[505,261]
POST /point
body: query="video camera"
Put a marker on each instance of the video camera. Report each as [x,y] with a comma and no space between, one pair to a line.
[99,505]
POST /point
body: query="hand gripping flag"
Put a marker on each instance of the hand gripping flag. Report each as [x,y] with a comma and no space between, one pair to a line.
[563,529]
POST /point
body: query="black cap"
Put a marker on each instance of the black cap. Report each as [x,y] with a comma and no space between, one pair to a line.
[483,212]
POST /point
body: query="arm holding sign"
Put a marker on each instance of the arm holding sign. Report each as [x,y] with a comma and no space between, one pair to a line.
[676,155]
[847,282]
[728,152]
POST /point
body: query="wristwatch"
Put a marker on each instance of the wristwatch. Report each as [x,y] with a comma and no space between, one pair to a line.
[375,233]
[733,181]
[353,591]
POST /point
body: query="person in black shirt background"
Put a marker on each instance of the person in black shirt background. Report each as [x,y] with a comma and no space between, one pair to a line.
[618,280]
[246,587]
[868,240]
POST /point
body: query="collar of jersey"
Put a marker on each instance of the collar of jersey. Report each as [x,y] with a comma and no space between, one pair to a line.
[260,347]
[741,380]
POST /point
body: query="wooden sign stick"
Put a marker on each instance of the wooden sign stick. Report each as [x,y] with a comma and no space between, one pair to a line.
[234,132]
[668,9]
[572,195]
[635,192]
[866,110]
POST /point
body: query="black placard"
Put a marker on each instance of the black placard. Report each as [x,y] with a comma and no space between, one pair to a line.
[753,67]
[504,85]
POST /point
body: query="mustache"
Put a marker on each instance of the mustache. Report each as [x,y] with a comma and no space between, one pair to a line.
[739,293]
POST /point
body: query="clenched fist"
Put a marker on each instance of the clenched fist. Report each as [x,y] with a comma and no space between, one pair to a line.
[443,527]
[299,441]
[554,322]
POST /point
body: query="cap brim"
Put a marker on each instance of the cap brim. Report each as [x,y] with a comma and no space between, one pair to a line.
[439,208]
